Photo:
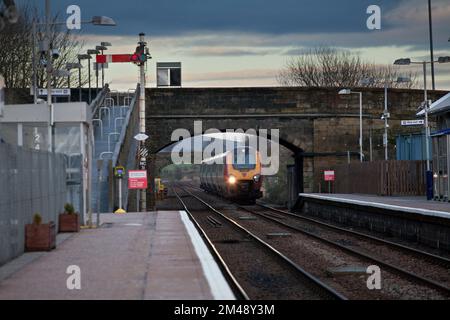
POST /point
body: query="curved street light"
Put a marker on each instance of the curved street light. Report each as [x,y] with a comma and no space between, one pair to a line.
[407,62]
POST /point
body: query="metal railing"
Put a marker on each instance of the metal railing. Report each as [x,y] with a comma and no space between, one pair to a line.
[98,101]
[129,127]
[126,122]
[31,182]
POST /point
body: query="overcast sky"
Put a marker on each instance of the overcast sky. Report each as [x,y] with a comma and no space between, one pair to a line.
[246,42]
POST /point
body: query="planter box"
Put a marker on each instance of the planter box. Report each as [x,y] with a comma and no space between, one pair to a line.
[69,222]
[40,237]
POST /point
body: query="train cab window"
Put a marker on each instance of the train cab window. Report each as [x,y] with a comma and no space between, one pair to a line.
[244,158]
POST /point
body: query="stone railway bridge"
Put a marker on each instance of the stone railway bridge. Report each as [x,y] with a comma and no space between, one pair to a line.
[316,124]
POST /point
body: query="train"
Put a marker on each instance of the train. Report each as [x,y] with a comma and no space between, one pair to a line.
[235,174]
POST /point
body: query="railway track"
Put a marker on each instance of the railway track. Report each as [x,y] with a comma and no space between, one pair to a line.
[433,271]
[281,277]
[440,260]
[331,240]
[236,287]
[443,261]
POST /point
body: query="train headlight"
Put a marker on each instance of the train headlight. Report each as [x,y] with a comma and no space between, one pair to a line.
[256,178]
[231,179]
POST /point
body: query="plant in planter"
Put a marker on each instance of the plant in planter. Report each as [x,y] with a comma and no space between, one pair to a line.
[39,236]
[69,221]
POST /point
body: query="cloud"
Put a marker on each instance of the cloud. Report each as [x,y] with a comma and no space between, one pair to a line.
[212,37]
[290,23]
[254,16]
[246,74]
[208,51]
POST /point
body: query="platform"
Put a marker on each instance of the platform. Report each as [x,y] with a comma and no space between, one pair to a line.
[411,219]
[157,255]
[417,205]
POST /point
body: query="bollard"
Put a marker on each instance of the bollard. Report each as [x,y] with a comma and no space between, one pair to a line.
[429,177]
[119,173]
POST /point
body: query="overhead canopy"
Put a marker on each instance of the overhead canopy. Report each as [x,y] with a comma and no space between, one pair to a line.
[439,106]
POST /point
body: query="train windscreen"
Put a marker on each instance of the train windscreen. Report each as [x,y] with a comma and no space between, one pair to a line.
[244,159]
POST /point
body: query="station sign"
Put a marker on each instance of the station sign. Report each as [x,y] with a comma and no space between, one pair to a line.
[55,92]
[137,179]
[406,123]
[329,175]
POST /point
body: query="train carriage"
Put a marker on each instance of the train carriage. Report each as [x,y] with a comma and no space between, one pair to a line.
[235,174]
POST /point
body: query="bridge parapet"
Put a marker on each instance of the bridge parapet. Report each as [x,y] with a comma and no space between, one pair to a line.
[316,123]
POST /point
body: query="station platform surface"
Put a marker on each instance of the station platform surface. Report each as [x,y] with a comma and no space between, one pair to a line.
[418,205]
[155,255]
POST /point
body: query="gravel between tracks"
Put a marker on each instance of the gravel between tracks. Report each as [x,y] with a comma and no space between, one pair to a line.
[261,274]
[319,259]
[390,254]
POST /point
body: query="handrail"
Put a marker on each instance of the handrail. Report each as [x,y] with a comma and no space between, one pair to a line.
[121,140]
[98,101]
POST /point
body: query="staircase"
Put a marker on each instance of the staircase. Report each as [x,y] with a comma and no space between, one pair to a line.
[108,123]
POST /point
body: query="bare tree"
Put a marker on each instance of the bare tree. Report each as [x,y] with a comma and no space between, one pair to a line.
[16,50]
[330,67]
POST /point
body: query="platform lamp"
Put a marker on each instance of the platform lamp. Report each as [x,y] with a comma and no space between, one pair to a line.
[81,57]
[348,92]
[386,115]
[100,49]
[407,62]
[69,67]
[104,44]
[90,52]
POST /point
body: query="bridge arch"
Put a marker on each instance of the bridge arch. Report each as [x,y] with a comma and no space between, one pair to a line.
[318,125]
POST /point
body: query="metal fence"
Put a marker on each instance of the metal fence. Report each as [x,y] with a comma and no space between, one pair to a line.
[384,178]
[31,182]
[125,150]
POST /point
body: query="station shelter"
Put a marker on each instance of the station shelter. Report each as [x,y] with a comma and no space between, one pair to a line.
[440,110]
[28,126]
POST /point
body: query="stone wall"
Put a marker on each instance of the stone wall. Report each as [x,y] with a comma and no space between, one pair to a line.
[316,122]
[428,230]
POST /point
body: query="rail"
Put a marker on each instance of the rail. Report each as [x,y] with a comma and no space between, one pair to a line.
[98,101]
[320,287]
[237,288]
[355,252]
[123,132]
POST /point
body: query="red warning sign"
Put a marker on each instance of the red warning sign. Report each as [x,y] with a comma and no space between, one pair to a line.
[329,175]
[137,179]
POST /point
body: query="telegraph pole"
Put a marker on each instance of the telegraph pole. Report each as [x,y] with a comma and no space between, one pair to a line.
[430,27]
[49,71]
[143,158]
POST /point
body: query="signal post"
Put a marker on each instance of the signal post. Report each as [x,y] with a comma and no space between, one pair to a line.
[141,51]
[139,57]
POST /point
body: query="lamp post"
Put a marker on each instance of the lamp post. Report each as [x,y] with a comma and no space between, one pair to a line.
[100,49]
[69,67]
[386,115]
[89,52]
[104,44]
[81,57]
[430,27]
[96,20]
[348,92]
[407,62]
